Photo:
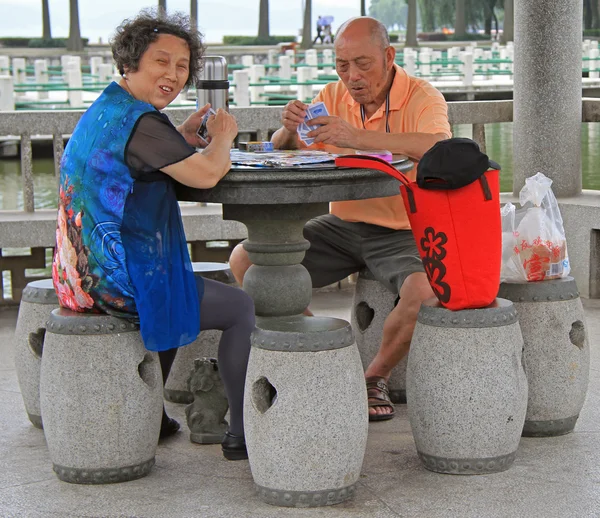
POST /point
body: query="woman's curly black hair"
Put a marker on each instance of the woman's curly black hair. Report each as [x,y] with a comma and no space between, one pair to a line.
[133,36]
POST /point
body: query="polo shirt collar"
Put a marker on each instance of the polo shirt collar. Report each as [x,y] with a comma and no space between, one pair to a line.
[398,94]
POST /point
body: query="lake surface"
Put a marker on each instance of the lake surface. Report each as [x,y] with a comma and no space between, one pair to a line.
[499,138]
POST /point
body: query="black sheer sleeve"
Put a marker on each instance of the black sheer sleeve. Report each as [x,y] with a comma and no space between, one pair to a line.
[155,143]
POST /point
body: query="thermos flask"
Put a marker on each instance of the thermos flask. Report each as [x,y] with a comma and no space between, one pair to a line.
[213,85]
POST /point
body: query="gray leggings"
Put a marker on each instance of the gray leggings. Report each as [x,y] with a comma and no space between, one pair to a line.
[230,310]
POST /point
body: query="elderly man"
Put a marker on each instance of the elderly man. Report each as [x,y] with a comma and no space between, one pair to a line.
[375,105]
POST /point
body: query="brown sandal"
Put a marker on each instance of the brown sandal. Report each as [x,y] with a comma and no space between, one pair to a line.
[379,395]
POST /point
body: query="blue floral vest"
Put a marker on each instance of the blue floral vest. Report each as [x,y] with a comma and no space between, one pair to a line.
[120,244]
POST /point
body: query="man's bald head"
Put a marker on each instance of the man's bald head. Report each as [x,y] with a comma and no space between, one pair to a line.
[364,27]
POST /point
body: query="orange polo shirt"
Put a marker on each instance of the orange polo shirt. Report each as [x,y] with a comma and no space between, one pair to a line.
[415,106]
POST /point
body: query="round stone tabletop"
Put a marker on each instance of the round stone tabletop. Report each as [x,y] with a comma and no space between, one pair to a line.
[307,184]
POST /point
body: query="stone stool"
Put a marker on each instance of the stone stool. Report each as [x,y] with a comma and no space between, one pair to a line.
[206,345]
[101,398]
[37,301]
[556,355]
[466,388]
[371,305]
[305,447]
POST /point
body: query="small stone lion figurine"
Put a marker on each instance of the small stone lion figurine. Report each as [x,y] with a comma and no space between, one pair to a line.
[206,414]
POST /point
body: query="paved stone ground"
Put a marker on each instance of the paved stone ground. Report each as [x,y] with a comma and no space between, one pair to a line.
[556,477]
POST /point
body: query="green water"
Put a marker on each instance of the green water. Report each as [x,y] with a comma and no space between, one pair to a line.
[498,141]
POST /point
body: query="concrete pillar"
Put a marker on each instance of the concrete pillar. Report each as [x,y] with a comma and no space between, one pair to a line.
[409,62]
[285,69]
[328,60]
[95,62]
[291,54]
[593,63]
[304,91]
[241,94]
[272,60]
[105,73]
[547,93]
[4,65]
[256,72]
[74,81]
[64,62]
[19,72]
[41,75]
[7,95]
[248,61]
[425,59]
[467,67]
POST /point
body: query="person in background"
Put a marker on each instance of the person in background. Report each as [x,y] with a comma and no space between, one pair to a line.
[374,105]
[120,244]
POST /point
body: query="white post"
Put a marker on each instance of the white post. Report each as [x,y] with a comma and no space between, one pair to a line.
[4,65]
[291,54]
[95,62]
[328,60]
[495,46]
[19,72]
[425,59]
[105,73]
[256,73]
[510,54]
[41,76]
[272,60]
[64,61]
[477,54]
[311,57]
[285,68]
[7,93]
[74,81]
[487,55]
[467,59]
[593,63]
[436,55]
[304,91]
[409,62]
[247,61]
[241,93]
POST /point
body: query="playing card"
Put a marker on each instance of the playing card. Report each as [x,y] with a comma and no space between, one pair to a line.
[202,130]
[313,111]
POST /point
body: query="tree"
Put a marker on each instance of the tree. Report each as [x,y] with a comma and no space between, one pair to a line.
[411,24]
[460,26]
[508,33]
[194,13]
[363,7]
[307,26]
[388,12]
[162,6]
[74,43]
[263,20]
[427,9]
[46,31]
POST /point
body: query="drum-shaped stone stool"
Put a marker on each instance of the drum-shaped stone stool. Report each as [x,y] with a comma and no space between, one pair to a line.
[305,446]
[37,301]
[466,388]
[206,345]
[371,305]
[101,398]
[556,355]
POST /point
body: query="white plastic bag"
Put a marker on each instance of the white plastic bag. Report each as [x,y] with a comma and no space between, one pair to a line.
[534,246]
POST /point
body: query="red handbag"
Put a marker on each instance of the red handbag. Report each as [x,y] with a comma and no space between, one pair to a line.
[457,230]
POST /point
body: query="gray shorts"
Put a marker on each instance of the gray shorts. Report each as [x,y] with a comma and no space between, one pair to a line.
[339,248]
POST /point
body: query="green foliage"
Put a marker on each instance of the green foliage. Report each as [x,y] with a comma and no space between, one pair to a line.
[432,36]
[14,42]
[594,33]
[392,13]
[254,40]
[394,38]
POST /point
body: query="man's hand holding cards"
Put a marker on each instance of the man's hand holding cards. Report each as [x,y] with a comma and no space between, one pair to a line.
[312,112]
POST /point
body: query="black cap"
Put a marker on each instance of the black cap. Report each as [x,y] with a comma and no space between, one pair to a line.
[452,163]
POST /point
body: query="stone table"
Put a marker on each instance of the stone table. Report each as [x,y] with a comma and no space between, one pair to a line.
[305,405]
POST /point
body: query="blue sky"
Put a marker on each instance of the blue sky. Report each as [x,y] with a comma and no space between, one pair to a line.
[216,17]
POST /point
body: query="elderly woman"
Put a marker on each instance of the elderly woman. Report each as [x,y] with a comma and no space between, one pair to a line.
[121,248]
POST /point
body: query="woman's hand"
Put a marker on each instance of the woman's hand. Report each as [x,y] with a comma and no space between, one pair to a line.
[190,126]
[222,124]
